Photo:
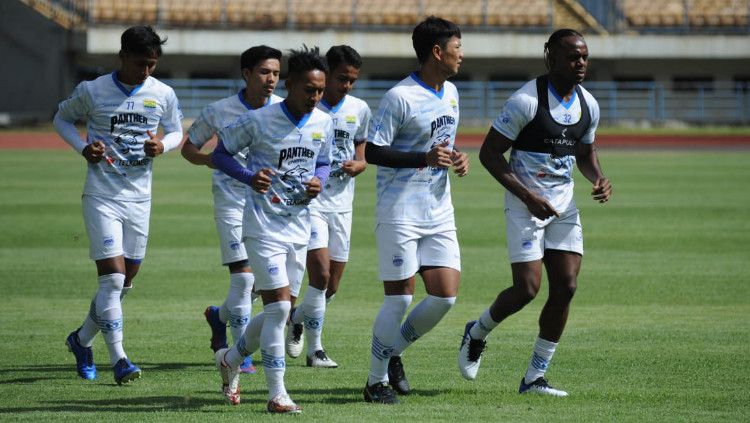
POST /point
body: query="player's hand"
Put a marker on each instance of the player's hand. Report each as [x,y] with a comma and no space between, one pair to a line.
[153,146]
[261,182]
[460,162]
[94,152]
[602,190]
[540,208]
[439,156]
[313,187]
[354,167]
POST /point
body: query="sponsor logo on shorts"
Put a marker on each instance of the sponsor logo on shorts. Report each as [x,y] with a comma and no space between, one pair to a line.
[526,244]
[109,241]
[313,234]
[234,245]
[398,261]
[273,270]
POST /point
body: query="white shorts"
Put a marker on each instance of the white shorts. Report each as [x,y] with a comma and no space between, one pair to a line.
[333,231]
[276,264]
[404,249]
[528,236]
[229,227]
[116,228]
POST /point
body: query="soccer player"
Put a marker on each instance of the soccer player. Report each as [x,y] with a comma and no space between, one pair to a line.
[549,126]
[331,211]
[412,139]
[288,162]
[124,110]
[260,66]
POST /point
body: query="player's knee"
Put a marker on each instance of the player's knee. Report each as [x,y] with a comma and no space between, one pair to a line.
[563,292]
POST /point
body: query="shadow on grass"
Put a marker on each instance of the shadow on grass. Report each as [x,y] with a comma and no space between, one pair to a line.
[65,371]
[120,405]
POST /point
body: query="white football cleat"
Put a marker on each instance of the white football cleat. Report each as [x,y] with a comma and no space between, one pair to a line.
[230,378]
[540,386]
[470,353]
[283,404]
[294,341]
[320,359]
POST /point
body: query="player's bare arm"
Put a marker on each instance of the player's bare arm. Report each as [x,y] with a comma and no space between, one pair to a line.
[313,187]
[588,164]
[492,156]
[439,156]
[358,165]
[93,152]
[460,162]
[194,155]
[153,146]
[261,181]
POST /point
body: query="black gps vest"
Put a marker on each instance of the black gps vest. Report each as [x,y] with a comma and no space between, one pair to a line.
[544,135]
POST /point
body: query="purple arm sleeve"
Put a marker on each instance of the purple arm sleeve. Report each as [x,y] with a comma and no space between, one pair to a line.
[225,162]
[322,171]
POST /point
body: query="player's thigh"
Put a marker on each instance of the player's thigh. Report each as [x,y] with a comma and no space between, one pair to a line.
[438,247]
[229,229]
[525,236]
[135,230]
[268,260]
[441,281]
[339,235]
[104,225]
[565,233]
[318,230]
[397,251]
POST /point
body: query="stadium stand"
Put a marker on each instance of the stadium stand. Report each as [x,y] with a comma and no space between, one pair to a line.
[681,13]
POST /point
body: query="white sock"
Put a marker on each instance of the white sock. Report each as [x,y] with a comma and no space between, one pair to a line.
[272,346]
[238,305]
[248,343]
[484,326]
[543,351]
[313,311]
[385,330]
[109,311]
[421,320]
[90,326]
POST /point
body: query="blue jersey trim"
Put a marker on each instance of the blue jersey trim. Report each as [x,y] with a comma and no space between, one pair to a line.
[122,87]
[298,123]
[335,108]
[564,103]
[438,94]
[241,97]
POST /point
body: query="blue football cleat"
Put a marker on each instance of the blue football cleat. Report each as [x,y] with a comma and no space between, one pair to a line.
[84,357]
[247,366]
[218,329]
[125,371]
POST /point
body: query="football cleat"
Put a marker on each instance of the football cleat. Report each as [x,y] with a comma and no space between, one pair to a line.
[85,366]
[230,378]
[470,353]
[397,377]
[381,393]
[320,359]
[283,404]
[125,371]
[218,329]
[540,386]
[294,341]
[247,366]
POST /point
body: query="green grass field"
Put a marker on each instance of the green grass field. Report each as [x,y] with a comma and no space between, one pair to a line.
[658,330]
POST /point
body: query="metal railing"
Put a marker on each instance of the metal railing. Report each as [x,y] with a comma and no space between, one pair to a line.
[482,101]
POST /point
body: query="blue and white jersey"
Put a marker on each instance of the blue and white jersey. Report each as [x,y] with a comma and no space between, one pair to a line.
[544,174]
[228,192]
[414,117]
[275,139]
[351,117]
[120,117]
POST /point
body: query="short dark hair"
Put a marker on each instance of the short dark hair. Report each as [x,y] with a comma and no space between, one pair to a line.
[343,54]
[432,31]
[305,60]
[141,40]
[554,39]
[254,55]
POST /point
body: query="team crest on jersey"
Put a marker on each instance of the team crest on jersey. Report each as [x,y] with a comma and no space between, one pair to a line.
[317,137]
[351,120]
[149,104]
[454,104]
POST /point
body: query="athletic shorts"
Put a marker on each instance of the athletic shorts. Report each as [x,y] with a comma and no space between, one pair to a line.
[528,236]
[229,227]
[404,249]
[333,231]
[116,228]
[276,264]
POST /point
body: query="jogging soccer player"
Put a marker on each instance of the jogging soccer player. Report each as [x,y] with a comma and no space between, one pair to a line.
[331,211]
[124,110]
[288,162]
[548,126]
[260,67]
[412,139]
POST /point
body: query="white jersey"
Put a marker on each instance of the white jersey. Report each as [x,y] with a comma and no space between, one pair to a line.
[228,191]
[276,140]
[414,117]
[545,175]
[351,117]
[120,117]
